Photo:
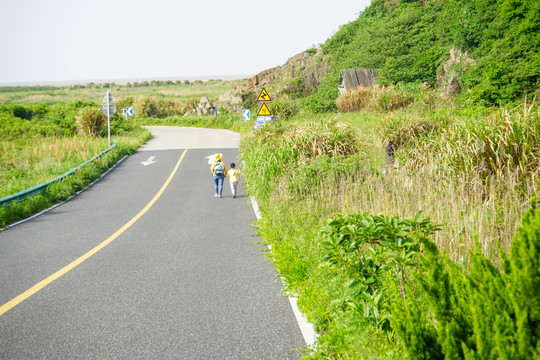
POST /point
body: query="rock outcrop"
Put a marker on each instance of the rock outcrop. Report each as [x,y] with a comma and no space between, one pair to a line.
[205,108]
[453,68]
[300,75]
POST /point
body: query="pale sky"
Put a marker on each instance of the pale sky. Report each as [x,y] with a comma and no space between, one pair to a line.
[46,41]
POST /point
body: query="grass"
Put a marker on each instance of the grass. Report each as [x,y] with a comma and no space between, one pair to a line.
[65,94]
[30,162]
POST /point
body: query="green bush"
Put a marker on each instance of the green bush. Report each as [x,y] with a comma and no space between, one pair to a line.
[374,251]
[482,313]
[148,106]
[285,109]
[40,120]
[281,148]
[89,121]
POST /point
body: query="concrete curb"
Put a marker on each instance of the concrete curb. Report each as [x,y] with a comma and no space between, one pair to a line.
[308,332]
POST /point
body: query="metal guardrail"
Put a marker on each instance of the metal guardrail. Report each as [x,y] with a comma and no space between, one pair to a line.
[23,195]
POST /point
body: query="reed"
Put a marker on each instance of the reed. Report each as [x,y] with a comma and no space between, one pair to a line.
[377,98]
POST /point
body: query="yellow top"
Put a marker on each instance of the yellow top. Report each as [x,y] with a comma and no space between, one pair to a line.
[234,174]
[214,164]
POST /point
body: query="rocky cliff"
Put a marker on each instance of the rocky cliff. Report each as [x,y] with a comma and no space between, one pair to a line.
[299,76]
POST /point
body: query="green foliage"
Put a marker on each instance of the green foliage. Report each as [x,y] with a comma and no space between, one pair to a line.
[406,296]
[28,121]
[374,250]
[408,41]
[522,275]
[89,121]
[285,109]
[281,148]
[301,180]
[483,313]
[148,106]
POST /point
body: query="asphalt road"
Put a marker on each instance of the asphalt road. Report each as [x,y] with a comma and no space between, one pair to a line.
[185,280]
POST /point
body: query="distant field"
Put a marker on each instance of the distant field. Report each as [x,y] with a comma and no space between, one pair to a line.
[33,95]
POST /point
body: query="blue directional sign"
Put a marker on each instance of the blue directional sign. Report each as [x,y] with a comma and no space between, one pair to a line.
[245,114]
[129,111]
[217,111]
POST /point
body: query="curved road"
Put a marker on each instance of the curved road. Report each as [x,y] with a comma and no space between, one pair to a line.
[146,264]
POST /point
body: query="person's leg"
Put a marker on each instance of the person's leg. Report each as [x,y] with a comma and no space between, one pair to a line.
[220,184]
[216,180]
[233,189]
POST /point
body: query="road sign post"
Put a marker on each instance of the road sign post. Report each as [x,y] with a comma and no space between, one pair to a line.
[108,109]
[264,110]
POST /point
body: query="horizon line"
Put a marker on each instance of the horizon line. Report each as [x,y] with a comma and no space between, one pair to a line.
[126,80]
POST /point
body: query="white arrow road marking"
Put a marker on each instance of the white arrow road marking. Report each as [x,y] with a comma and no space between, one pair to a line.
[150,161]
[211,158]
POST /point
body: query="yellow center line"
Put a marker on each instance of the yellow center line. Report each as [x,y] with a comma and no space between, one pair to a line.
[34,289]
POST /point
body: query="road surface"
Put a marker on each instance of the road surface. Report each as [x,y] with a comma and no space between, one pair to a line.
[146,264]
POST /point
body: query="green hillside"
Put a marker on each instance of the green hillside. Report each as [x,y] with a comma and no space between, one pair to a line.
[408,41]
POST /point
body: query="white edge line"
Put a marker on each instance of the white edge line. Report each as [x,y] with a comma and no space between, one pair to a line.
[308,332]
[71,197]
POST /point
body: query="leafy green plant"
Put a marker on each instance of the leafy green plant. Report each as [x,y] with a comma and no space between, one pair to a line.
[374,250]
[480,313]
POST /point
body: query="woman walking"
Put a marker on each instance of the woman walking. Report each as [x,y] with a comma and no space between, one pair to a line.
[219,171]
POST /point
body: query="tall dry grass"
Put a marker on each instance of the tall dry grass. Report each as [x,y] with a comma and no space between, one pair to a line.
[474,175]
[89,121]
[378,98]
[465,213]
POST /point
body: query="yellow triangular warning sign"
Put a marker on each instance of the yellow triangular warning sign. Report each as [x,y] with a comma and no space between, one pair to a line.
[264,96]
[264,110]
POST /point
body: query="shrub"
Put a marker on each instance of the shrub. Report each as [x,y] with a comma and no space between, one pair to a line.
[281,148]
[89,121]
[148,106]
[124,102]
[392,100]
[374,250]
[483,313]
[285,109]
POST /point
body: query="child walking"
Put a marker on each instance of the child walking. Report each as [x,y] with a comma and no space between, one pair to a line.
[234,175]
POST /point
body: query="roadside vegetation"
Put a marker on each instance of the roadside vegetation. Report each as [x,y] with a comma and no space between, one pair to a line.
[374,246]
[41,142]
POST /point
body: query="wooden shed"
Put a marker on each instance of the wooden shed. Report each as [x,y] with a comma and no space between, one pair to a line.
[352,78]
